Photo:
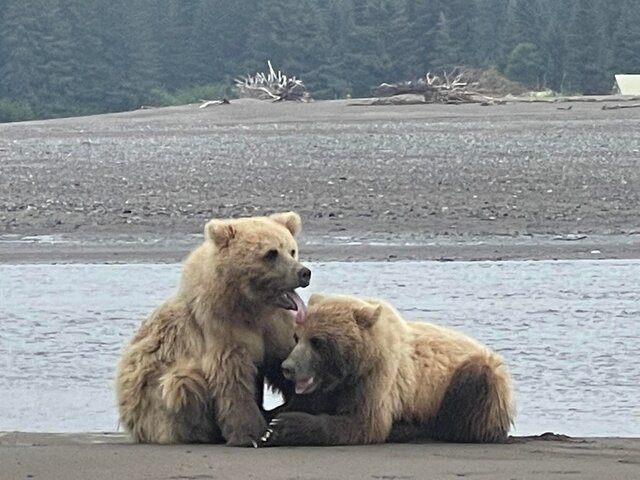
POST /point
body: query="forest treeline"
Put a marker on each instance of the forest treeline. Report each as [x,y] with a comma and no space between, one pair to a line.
[70,57]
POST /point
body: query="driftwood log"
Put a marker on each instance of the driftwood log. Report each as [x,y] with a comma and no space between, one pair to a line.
[211,103]
[448,89]
[275,86]
[618,107]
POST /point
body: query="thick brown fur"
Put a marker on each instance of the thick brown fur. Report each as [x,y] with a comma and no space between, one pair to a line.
[379,378]
[193,370]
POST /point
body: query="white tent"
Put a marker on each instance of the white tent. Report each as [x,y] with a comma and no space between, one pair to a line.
[628,84]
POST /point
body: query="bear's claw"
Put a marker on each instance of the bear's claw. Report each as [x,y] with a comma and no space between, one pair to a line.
[266,437]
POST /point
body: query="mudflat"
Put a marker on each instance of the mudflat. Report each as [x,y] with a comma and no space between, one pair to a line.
[522,181]
[110,456]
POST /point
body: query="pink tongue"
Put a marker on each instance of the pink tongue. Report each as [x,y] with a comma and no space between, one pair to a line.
[301,313]
[302,385]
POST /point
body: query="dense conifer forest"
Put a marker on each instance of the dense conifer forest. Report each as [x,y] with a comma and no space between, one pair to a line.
[72,57]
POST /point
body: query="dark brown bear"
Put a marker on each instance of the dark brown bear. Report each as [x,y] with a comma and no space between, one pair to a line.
[364,375]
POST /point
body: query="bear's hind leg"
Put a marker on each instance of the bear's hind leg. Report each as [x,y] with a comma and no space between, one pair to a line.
[477,403]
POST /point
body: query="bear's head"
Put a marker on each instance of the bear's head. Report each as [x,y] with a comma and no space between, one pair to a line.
[335,344]
[256,259]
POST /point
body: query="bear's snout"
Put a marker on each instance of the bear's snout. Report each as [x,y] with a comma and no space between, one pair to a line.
[289,369]
[304,277]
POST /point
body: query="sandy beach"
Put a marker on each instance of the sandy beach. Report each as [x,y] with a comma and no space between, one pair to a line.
[426,182]
[109,456]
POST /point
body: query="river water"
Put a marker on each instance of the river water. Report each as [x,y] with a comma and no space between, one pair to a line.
[569,331]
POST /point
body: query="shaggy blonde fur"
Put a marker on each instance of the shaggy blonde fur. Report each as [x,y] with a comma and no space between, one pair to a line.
[191,371]
[395,377]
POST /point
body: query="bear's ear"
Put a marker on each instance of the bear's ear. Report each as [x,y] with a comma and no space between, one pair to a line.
[367,315]
[290,220]
[221,232]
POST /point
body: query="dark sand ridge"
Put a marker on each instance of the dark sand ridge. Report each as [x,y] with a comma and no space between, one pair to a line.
[108,457]
[521,181]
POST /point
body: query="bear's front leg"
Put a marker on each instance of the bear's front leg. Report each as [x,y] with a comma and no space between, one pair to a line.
[238,414]
[297,429]
[243,426]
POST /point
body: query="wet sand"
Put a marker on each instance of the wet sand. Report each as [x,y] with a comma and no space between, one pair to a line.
[521,181]
[109,456]
[80,249]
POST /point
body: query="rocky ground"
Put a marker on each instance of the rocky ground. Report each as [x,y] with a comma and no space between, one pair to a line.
[512,181]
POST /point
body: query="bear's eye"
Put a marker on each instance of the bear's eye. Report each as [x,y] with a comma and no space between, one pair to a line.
[293,253]
[271,254]
[316,342]
[295,337]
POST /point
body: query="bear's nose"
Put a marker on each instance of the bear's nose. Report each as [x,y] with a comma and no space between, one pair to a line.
[287,370]
[304,276]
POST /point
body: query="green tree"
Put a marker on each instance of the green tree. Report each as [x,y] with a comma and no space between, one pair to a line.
[610,15]
[462,18]
[526,22]
[3,6]
[586,72]
[332,73]
[213,59]
[626,40]
[555,49]
[289,34]
[179,60]
[129,72]
[492,32]
[22,30]
[77,33]
[370,55]
[444,54]
[526,64]
[414,31]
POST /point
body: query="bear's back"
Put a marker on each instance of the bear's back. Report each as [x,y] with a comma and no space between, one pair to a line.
[440,339]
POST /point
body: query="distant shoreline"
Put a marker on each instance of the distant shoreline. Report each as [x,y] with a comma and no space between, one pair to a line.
[153,249]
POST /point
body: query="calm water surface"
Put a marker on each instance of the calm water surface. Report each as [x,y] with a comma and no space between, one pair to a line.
[569,331]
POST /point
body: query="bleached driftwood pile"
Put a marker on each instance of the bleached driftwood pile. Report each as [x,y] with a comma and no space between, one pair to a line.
[435,89]
[274,85]
[473,86]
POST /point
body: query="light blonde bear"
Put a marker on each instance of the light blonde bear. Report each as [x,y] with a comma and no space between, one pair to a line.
[193,372]
[365,375]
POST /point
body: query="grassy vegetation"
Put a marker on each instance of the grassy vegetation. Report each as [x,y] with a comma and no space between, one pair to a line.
[14,111]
